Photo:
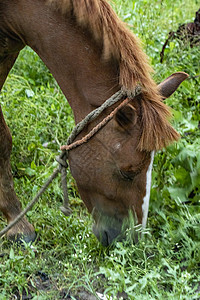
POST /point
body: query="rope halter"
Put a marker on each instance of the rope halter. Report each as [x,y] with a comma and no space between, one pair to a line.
[121,94]
[127,96]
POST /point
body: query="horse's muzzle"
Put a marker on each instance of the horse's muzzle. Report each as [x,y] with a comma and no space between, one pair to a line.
[106,235]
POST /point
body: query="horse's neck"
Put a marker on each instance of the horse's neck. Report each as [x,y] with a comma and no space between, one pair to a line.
[69,52]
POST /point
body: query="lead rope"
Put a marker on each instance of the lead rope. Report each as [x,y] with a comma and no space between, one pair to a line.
[62,160]
[63,157]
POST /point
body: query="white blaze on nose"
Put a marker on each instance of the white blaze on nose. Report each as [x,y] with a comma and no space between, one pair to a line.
[145,205]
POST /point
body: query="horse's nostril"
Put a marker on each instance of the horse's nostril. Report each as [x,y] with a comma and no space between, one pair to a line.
[105,239]
[105,236]
[101,235]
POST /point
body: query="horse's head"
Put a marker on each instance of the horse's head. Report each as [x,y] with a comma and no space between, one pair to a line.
[112,174]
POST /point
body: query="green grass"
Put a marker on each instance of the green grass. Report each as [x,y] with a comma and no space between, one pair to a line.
[68,258]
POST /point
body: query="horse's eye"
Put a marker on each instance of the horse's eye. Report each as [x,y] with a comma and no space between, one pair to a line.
[128,175]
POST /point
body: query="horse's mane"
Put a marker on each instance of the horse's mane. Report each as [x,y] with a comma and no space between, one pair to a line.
[119,42]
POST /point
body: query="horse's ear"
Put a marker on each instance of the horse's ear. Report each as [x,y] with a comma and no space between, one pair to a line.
[126,116]
[169,85]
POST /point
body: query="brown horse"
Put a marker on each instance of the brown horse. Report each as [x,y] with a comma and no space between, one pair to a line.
[92,55]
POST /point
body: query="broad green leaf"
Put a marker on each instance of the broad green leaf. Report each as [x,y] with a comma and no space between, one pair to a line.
[29,93]
[30,171]
[33,165]
[182,176]
[12,254]
[178,194]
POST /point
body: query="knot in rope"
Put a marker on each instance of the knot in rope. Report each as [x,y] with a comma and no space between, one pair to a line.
[63,170]
[132,93]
